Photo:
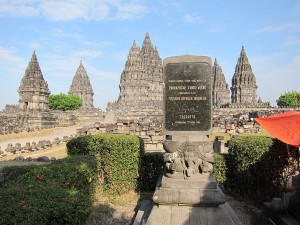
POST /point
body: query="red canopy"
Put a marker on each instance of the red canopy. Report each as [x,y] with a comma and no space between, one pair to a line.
[284,126]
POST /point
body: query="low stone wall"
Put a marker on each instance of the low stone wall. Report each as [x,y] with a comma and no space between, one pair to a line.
[149,130]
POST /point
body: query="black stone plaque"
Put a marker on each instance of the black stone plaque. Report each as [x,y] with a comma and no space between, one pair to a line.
[187,96]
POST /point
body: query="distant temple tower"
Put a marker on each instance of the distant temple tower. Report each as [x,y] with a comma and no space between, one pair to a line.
[243,90]
[141,83]
[33,90]
[220,89]
[81,86]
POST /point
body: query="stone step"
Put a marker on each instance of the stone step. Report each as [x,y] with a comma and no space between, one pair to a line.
[143,213]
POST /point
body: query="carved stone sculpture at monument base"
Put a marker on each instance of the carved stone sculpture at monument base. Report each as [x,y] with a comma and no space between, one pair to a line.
[187,178]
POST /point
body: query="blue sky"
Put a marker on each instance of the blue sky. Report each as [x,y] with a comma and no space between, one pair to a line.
[101,33]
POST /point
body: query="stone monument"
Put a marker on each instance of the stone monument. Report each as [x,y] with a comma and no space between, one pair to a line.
[81,86]
[33,98]
[33,90]
[141,89]
[220,89]
[187,192]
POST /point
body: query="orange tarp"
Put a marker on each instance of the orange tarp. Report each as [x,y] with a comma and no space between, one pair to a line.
[284,126]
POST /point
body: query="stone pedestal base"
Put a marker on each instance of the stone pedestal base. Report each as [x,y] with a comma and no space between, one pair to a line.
[186,215]
[200,192]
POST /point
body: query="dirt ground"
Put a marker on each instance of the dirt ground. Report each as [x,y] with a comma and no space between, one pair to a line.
[119,211]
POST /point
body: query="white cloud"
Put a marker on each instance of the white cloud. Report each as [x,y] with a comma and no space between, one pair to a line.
[17,10]
[274,80]
[87,53]
[216,30]
[34,45]
[10,63]
[290,41]
[290,26]
[82,40]
[68,10]
[75,9]
[130,11]
[193,18]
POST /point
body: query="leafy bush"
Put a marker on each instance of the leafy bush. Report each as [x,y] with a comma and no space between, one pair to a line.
[150,170]
[85,145]
[64,102]
[118,156]
[255,167]
[56,193]
[220,168]
[10,173]
[289,99]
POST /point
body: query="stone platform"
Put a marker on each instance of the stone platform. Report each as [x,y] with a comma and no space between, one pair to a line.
[152,214]
[201,192]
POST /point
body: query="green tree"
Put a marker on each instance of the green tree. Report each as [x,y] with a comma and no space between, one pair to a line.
[289,99]
[64,102]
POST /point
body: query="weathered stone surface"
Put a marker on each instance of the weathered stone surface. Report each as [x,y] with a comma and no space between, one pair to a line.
[202,181]
[243,89]
[178,215]
[33,90]
[141,83]
[43,159]
[187,196]
[81,86]
[220,88]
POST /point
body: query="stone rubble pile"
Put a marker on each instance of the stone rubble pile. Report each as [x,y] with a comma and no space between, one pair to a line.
[34,146]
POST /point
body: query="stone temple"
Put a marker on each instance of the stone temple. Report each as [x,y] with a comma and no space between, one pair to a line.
[141,83]
[81,86]
[220,89]
[33,98]
[243,90]
[33,90]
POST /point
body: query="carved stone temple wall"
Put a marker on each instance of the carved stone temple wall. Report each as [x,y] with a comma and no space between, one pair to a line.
[81,86]
[141,83]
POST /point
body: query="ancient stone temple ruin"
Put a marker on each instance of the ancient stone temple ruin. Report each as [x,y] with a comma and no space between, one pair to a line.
[33,90]
[220,89]
[141,83]
[243,90]
[81,86]
[33,98]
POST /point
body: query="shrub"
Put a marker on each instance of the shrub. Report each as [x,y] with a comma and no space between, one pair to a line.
[220,168]
[118,157]
[151,169]
[85,145]
[11,173]
[57,193]
[256,165]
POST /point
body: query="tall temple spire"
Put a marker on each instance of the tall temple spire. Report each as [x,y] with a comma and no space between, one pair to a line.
[243,82]
[33,90]
[141,81]
[81,86]
[220,89]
